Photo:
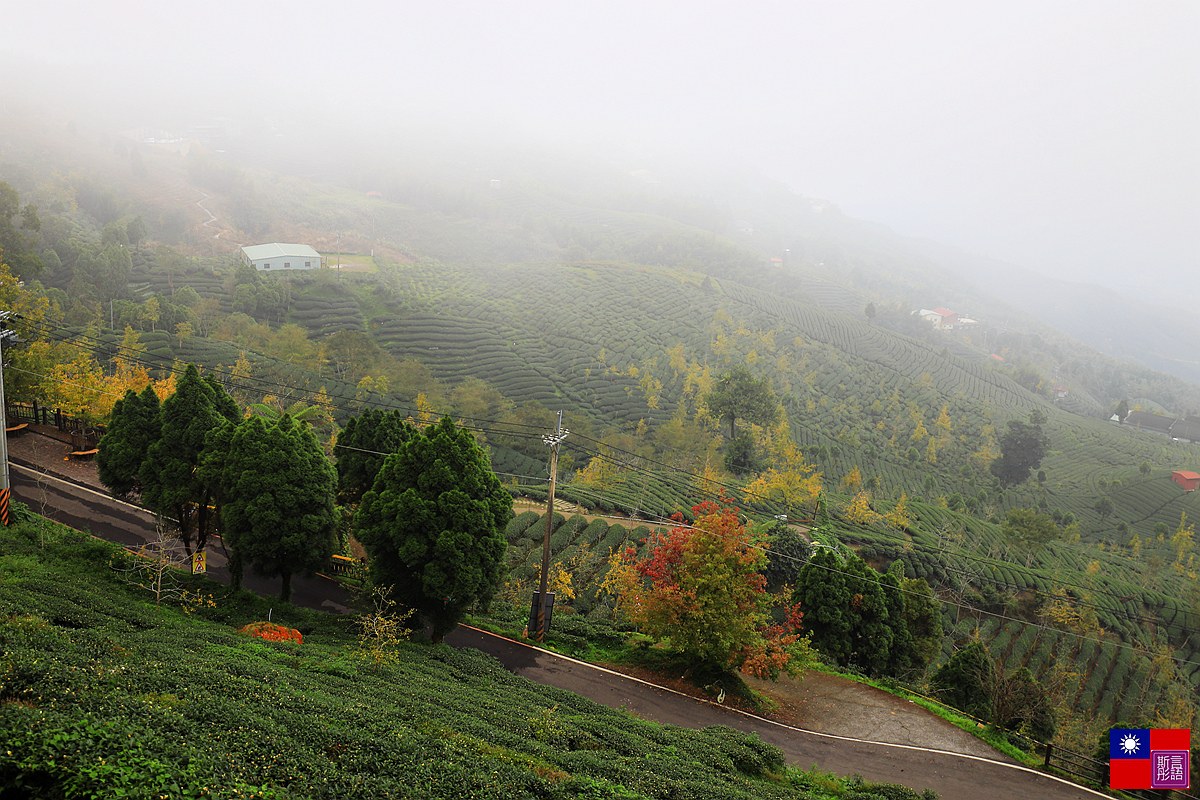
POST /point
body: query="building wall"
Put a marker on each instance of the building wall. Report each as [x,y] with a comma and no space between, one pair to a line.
[282,262]
[1188,484]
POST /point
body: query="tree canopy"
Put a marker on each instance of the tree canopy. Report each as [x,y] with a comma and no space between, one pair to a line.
[1022,449]
[701,586]
[787,553]
[1030,529]
[170,476]
[857,617]
[277,490]
[433,524]
[362,446]
[739,395]
[963,681]
[18,248]
[133,427]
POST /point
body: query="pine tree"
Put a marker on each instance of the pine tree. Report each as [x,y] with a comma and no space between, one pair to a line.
[433,525]
[278,498]
[133,427]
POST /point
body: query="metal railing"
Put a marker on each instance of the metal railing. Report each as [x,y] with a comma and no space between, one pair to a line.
[84,435]
[1091,770]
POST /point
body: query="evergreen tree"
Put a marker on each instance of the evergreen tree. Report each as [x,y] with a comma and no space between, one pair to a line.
[171,479]
[1022,449]
[871,634]
[923,618]
[433,525]
[855,615]
[741,458]
[902,655]
[278,492]
[739,395]
[822,593]
[786,556]
[963,681]
[223,402]
[134,426]
[362,446]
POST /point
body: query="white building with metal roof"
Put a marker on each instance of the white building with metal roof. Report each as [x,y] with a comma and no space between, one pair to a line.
[271,257]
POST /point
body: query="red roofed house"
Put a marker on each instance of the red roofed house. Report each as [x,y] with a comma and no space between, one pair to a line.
[1190,481]
[940,317]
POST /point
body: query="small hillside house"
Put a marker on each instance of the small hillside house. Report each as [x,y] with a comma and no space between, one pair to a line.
[1190,481]
[940,317]
[272,257]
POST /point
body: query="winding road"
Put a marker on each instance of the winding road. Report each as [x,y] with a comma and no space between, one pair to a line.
[953,776]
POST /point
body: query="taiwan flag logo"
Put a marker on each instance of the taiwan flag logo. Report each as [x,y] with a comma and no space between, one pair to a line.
[1149,758]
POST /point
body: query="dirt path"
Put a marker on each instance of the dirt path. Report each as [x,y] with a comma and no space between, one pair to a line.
[831,704]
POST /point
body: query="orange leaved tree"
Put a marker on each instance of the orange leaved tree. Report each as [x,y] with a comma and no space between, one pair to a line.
[702,588]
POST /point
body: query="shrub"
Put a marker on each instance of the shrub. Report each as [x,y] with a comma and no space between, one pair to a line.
[272,632]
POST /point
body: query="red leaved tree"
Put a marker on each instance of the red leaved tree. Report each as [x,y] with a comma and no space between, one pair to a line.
[700,587]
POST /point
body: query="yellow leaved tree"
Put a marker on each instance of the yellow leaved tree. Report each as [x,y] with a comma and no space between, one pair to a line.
[899,517]
[792,481]
[859,509]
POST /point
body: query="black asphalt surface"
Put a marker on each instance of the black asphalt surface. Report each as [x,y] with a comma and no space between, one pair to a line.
[953,776]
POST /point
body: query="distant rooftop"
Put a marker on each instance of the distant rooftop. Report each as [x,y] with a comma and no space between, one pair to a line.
[256,252]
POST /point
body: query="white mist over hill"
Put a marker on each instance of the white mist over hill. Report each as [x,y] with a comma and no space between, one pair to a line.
[1060,136]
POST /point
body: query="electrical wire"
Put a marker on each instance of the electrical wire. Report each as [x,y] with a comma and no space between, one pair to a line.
[688,481]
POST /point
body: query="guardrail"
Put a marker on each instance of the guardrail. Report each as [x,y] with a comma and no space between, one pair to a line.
[1091,770]
[340,565]
[84,435]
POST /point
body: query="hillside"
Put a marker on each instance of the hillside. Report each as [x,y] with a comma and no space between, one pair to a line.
[103,694]
[619,299]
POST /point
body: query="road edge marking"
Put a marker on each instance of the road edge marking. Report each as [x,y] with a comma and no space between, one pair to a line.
[75,484]
[784,725]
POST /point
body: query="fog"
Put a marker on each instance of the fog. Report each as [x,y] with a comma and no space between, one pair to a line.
[1061,136]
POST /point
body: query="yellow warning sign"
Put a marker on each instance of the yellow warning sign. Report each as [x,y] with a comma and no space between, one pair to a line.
[198,562]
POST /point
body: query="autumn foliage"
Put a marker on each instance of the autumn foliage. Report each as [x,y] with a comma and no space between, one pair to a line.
[702,588]
[272,632]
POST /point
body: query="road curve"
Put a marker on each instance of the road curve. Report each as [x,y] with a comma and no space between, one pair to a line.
[953,776]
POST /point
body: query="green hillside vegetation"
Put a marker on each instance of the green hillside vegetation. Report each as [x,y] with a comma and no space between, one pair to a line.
[103,694]
[622,305]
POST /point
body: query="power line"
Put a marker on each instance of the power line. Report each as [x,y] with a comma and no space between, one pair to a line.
[239,383]
[684,484]
[687,484]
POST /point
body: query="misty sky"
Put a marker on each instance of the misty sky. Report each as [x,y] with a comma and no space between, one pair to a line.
[1063,136]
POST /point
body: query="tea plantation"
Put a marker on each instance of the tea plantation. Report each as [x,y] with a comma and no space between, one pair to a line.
[104,695]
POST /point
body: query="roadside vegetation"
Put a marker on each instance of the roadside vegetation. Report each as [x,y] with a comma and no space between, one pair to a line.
[105,694]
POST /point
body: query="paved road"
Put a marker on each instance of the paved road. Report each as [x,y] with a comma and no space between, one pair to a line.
[86,509]
[953,776]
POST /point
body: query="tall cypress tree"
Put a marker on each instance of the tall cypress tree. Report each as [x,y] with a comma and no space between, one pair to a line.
[433,524]
[824,598]
[848,610]
[871,631]
[278,489]
[902,655]
[362,446]
[133,427]
[171,479]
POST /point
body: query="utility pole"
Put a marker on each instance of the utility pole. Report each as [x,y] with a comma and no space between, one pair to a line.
[6,335]
[543,602]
